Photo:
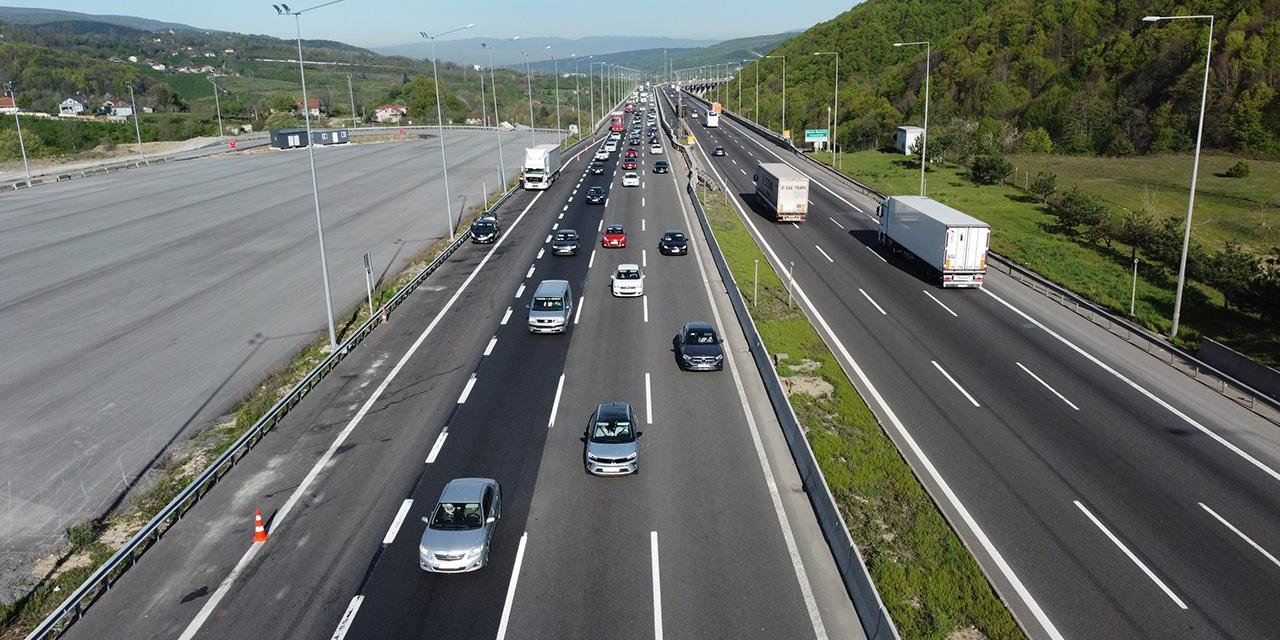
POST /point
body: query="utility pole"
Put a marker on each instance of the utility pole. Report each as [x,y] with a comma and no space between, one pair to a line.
[352,95]
[8,88]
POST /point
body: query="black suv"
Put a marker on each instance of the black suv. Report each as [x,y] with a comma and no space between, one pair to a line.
[698,348]
[485,230]
[718,151]
[565,243]
[596,195]
[661,166]
[597,168]
[673,243]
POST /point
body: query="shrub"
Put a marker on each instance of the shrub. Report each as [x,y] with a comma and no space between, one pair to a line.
[1075,209]
[989,169]
[1045,186]
[1238,170]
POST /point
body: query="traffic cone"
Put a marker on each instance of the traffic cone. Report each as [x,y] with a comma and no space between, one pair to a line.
[259,531]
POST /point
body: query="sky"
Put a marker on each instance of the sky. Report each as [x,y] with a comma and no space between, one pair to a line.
[380,23]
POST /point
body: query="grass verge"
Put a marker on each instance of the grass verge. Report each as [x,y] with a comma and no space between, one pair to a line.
[930,583]
[91,543]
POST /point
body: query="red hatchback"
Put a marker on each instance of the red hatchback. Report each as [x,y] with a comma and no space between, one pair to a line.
[628,164]
[631,153]
[614,236]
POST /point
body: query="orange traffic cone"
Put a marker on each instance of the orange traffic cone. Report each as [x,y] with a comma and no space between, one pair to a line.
[259,531]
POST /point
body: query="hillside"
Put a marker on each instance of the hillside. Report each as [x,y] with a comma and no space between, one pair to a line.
[1091,74]
[469,51]
[651,60]
[32,16]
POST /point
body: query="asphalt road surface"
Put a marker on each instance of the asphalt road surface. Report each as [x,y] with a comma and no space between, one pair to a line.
[1105,494]
[142,304]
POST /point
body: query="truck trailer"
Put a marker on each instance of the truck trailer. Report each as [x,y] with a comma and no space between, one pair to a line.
[713,115]
[783,191]
[541,166]
[950,244]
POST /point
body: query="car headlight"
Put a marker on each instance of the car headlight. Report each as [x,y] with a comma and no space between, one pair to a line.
[592,457]
[686,356]
[630,457]
[719,357]
[474,553]
[424,552]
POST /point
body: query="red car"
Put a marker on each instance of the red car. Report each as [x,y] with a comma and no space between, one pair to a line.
[628,164]
[614,236]
[631,153]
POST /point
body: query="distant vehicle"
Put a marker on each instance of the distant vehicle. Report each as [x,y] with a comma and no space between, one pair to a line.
[551,308]
[950,244]
[713,115]
[597,168]
[565,243]
[611,146]
[698,348]
[460,528]
[596,195]
[485,230]
[673,243]
[629,108]
[718,151]
[630,179]
[627,281]
[693,113]
[632,153]
[629,163]
[783,191]
[612,441]
[661,166]
[616,121]
[655,150]
[541,166]
[614,236]
[601,155]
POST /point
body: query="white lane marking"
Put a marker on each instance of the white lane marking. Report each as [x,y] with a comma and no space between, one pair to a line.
[569,200]
[872,218]
[578,314]
[954,383]
[1154,398]
[858,208]
[824,253]
[435,448]
[873,302]
[592,261]
[735,162]
[1046,385]
[520,291]
[642,186]
[344,623]
[511,588]
[642,224]
[600,224]
[489,349]
[953,314]
[744,171]
[397,521]
[795,225]
[555,404]
[323,462]
[566,208]
[560,217]
[575,191]
[547,240]
[645,300]
[837,222]
[606,203]
[529,274]
[1240,533]
[505,317]
[642,201]
[466,391]
[1116,541]
[644,257]
[876,254]
[657,586]
[811,179]
[555,226]
[541,251]
[648,400]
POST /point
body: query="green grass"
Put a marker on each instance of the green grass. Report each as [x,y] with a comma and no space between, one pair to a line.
[928,580]
[1020,231]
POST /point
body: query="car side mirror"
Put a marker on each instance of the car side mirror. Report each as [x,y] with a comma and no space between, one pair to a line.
[638,434]
[719,340]
[426,519]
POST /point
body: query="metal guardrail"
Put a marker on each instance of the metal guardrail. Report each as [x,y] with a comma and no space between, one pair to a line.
[872,614]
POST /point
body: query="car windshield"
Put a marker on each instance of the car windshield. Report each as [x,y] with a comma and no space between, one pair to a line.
[566,235]
[482,225]
[700,336]
[595,191]
[628,274]
[613,228]
[612,432]
[457,515]
[673,237]
[548,304]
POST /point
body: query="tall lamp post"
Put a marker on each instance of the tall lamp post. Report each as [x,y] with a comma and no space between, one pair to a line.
[351,95]
[284,10]
[528,75]
[1195,166]
[217,104]
[8,88]
[556,70]
[784,90]
[137,130]
[444,163]
[924,137]
[497,120]
[835,109]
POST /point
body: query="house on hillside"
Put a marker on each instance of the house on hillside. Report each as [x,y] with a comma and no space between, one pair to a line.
[7,105]
[905,138]
[390,112]
[122,110]
[314,107]
[71,107]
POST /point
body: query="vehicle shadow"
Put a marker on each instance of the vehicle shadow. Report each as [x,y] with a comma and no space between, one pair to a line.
[902,260]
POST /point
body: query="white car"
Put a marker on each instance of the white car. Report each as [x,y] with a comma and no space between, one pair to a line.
[655,150]
[602,155]
[611,146]
[630,179]
[627,281]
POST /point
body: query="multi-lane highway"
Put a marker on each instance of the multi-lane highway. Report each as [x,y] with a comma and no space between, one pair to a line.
[712,538]
[1106,495]
[138,305]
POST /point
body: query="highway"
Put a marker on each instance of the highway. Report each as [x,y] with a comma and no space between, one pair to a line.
[711,539]
[140,305]
[1105,494]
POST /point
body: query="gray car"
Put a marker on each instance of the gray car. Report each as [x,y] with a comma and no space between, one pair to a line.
[565,243]
[460,528]
[698,348]
[612,442]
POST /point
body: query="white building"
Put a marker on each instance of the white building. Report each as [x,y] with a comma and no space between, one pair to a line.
[390,112]
[906,138]
[70,107]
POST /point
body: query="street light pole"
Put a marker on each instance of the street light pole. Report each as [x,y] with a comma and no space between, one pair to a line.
[8,88]
[136,129]
[835,109]
[556,70]
[283,9]
[351,95]
[217,104]
[924,137]
[444,163]
[1195,167]
[529,82]
[497,120]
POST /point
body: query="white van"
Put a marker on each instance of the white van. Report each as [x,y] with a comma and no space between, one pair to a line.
[551,308]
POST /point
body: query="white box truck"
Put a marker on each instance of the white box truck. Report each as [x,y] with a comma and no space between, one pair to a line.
[951,244]
[783,191]
[713,115]
[541,166]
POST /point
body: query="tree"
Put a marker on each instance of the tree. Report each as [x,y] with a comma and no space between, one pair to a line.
[1045,186]
[1075,208]
[1165,242]
[282,103]
[1232,271]
[282,120]
[1135,230]
[989,169]
[1036,140]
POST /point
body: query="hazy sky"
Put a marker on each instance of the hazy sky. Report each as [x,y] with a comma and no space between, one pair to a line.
[374,23]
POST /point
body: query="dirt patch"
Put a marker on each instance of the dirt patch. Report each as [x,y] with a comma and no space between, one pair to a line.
[805,366]
[967,633]
[808,385]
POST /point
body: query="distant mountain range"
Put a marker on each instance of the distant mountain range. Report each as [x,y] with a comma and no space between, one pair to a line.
[507,53]
[652,60]
[30,16]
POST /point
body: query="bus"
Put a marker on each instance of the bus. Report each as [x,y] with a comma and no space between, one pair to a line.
[617,121]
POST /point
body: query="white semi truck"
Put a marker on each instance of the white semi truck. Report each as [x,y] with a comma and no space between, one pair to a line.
[541,166]
[950,244]
[783,191]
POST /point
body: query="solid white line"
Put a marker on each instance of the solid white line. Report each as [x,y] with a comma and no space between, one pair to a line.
[529,274]
[824,253]
[489,349]
[645,300]
[857,207]
[344,623]
[511,588]
[648,401]
[506,316]
[657,586]
[1240,533]
[877,254]
[1116,541]
[323,462]
[435,448]
[1105,367]
[520,290]
[540,252]
[397,521]
[837,223]
[466,391]
[592,261]
[555,404]
[1046,385]
[953,382]
[873,302]
[937,301]
[644,258]
[578,314]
